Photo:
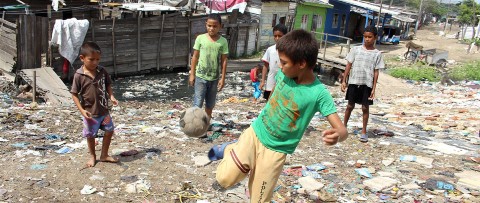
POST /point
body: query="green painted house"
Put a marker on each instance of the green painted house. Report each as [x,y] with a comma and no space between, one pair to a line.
[310,15]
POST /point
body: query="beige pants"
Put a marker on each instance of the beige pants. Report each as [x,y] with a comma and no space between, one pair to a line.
[248,155]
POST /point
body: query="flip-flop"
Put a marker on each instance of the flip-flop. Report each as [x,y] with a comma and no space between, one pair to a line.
[216,152]
[363,138]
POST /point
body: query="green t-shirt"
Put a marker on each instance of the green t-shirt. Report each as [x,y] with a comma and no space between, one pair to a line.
[208,66]
[282,122]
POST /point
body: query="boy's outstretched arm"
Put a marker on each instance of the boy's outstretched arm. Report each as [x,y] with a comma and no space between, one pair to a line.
[193,66]
[112,98]
[375,79]
[338,132]
[221,83]
[264,74]
[345,76]
[76,100]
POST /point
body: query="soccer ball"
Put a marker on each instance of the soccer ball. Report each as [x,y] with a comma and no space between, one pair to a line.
[194,122]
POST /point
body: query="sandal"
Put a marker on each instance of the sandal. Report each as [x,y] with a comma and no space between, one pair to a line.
[216,152]
[364,138]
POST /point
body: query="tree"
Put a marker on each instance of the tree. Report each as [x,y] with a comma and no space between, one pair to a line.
[467,12]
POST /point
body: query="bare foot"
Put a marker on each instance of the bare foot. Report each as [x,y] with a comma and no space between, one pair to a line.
[108,159]
[91,162]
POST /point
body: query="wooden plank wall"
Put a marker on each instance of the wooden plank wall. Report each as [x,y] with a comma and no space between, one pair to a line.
[244,29]
[139,44]
[8,44]
[32,41]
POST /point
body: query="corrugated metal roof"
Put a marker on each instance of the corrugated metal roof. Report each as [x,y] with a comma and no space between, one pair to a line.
[367,6]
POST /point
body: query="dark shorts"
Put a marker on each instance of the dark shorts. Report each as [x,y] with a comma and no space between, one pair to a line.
[266,94]
[359,94]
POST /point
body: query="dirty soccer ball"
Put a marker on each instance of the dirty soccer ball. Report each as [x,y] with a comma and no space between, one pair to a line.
[194,122]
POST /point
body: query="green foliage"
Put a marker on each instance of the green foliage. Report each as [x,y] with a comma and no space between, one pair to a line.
[466,12]
[469,71]
[416,73]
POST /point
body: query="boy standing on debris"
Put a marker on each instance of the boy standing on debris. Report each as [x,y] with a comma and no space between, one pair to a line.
[205,68]
[271,61]
[254,72]
[261,149]
[363,64]
[91,90]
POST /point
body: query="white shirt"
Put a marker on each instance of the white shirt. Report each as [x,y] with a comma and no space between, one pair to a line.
[271,57]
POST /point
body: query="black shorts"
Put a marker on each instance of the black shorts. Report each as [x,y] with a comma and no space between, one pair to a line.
[359,94]
[266,94]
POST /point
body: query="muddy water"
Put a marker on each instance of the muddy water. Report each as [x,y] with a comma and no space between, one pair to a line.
[173,86]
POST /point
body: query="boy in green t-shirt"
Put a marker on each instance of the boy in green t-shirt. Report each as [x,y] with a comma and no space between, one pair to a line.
[261,149]
[204,76]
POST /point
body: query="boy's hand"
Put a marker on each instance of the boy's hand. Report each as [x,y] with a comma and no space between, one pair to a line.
[344,86]
[114,101]
[372,95]
[261,85]
[330,136]
[86,114]
[221,84]
[191,80]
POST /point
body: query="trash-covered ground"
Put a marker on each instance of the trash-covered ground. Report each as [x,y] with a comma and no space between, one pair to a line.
[419,149]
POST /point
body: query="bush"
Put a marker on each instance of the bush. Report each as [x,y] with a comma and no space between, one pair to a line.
[469,71]
[416,73]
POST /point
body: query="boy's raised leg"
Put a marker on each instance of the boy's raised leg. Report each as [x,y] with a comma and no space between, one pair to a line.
[91,149]
[104,157]
[238,159]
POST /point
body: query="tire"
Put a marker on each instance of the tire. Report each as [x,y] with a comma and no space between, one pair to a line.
[441,64]
[410,55]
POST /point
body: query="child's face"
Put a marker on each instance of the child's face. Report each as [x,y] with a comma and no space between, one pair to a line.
[90,61]
[213,27]
[369,38]
[277,35]
[290,69]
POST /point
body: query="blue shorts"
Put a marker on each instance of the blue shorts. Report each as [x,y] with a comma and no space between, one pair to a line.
[205,91]
[91,126]
[256,92]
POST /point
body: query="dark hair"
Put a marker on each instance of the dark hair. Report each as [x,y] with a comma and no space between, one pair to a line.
[299,45]
[371,29]
[280,27]
[215,16]
[89,47]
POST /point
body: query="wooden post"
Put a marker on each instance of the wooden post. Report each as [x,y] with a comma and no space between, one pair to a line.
[348,46]
[174,58]
[34,87]
[92,26]
[113,48]
[237,33]
[3,17]
[49,14]
[245,51]
[139,42]
[159,45]
[325,47]
[189,43]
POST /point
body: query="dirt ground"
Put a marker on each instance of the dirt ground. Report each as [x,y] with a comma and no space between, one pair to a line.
[429,38]
[438,125]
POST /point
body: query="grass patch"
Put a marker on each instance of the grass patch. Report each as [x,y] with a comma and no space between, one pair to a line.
[468,71]
[416,73]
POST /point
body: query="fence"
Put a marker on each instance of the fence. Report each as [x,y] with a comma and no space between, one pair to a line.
[128,45]
[8,44]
